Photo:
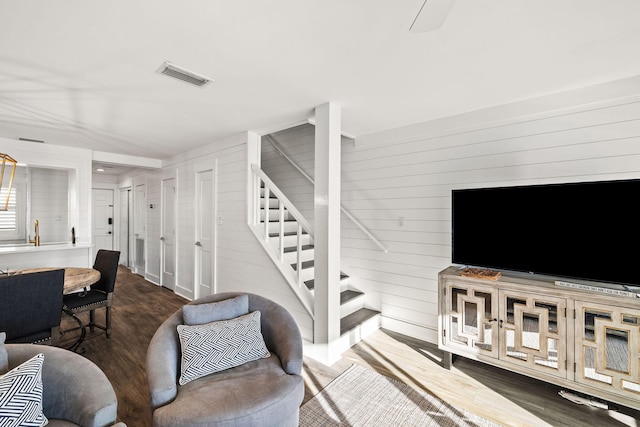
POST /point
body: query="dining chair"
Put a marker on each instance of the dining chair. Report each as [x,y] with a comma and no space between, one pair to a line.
[101,293]
[31,306]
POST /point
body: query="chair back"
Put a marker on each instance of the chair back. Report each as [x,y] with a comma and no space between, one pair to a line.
[107,264]
[31,304]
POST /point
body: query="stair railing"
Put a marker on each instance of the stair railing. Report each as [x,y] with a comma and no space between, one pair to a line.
[262,183]
[353,219]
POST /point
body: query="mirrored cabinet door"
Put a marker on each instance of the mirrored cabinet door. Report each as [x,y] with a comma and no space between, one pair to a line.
[471,318]
[607,353]
[533,331]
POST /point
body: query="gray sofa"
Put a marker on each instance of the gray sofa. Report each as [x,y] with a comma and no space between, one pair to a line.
[75,391]
[264,392]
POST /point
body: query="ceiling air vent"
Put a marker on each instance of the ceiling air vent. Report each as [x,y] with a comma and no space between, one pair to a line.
[31,140]
[172,70]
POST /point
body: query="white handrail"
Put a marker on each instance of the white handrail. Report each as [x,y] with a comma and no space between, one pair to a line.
[273,143]
[280,195]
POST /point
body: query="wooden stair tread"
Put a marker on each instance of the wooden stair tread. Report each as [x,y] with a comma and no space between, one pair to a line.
[311,284]
[305,264]
[348,295]
[287,233]
[295,248]
[356,318]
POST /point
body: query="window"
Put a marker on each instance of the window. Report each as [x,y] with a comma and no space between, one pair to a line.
[12,222]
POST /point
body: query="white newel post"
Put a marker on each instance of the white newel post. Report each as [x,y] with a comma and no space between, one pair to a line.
[327,226]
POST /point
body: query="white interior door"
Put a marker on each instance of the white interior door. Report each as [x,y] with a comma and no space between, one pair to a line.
[102,219]
[168,235]
[124,230]
[140,218]
[204,268]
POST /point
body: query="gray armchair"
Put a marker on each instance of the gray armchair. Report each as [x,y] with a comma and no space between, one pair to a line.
[75,390]
[264,392]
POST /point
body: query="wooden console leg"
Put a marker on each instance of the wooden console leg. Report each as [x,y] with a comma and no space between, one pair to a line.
[447,360]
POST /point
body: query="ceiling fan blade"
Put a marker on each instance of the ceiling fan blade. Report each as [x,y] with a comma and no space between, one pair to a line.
[431,15]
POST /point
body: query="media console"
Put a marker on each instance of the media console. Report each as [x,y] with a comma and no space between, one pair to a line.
[581,339]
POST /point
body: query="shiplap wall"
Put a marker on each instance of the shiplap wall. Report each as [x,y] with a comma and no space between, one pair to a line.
[298,144]
[398,184]
[241,264]
[152,241]
[49,195]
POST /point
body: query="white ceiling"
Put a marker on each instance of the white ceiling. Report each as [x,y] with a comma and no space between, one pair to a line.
[82,73]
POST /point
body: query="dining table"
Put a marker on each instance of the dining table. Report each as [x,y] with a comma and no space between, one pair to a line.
[76,279]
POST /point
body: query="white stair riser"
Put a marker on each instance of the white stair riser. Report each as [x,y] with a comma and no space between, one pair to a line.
[356,335]
[274,227]
[290,240]
[307,274]
[292,258]
[274,215]
[352,306]
[273,203]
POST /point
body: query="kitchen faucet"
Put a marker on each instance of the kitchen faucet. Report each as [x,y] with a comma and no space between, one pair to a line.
[36,240]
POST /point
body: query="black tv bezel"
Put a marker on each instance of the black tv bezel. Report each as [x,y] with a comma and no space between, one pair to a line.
[623,274]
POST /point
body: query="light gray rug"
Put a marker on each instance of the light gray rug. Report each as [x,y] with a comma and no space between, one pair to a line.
[362,397]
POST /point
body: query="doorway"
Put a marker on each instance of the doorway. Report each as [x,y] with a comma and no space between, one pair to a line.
[205,233]
[168,234]
[125,231]
[139,229]
[102,219]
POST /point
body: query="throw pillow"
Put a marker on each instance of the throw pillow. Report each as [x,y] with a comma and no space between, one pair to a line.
[21,395]
[4,358]
[217,346]
[198,314]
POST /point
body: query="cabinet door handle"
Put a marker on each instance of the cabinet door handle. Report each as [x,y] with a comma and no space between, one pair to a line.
[198,244]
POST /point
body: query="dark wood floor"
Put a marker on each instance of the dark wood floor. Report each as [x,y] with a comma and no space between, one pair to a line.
[510,399]
[139,308]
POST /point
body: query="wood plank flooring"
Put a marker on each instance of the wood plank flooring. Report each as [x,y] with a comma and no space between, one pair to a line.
[510,399]
[139,308]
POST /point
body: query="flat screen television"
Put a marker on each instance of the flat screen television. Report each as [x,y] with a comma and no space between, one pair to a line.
[586,230]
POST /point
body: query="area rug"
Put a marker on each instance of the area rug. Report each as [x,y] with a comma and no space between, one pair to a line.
[362,397]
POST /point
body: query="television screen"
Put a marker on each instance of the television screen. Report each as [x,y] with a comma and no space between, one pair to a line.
[585,230]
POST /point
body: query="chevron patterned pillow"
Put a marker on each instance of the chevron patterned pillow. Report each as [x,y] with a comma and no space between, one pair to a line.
[216,346]
[21,395]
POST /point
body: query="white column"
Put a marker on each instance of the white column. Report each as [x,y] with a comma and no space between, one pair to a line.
[327,226]
[253,156]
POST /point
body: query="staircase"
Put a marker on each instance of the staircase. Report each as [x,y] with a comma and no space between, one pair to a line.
[287,237]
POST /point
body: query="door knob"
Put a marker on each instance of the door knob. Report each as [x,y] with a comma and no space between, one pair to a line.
[198,244]
[162,238]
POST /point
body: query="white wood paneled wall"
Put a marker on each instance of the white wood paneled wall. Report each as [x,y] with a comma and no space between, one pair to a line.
[152,267]
[49,196]
[398,184]
[298,144]
[241,263]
